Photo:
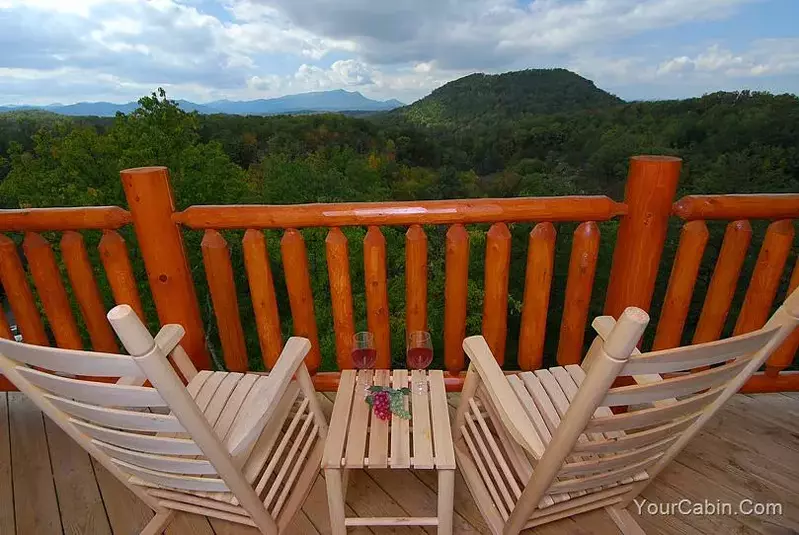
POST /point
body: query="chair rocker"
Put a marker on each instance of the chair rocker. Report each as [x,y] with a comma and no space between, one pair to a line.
[240,447]
[540,446]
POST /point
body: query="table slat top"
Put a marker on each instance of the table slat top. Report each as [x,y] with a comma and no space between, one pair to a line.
[358,439]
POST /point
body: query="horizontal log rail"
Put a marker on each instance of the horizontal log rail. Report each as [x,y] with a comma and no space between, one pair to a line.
[517,209]
[77,218]
[732,207]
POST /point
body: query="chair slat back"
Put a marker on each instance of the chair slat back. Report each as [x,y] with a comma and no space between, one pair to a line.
[588,447]
[70,361]
[118,419]
[674,392]
[117,423]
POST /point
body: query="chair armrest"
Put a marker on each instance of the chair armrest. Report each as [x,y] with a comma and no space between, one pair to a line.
[168,339]
[507,405]
[253,417]
[603,325]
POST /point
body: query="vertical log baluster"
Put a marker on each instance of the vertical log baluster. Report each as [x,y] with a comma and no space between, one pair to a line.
[415,279]
[298,283]
[765,277]
[219,272]
[50,287]
[20,296]
[495,301]
[338,269]
[723,282]
[374,267]
[784,355]
[5,328]
[455,297]
[5,332]
[262,292]
[537,284]
[87,294]
[582,267]
[119,271]
[693,239]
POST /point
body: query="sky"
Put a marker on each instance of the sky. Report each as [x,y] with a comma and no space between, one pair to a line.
[67,51]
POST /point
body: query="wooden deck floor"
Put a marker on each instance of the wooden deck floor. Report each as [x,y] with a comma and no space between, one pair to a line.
[48,485]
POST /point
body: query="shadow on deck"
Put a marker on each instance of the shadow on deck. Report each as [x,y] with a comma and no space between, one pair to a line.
[749,451]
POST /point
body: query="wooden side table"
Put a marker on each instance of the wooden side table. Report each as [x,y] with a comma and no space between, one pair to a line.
[358,439]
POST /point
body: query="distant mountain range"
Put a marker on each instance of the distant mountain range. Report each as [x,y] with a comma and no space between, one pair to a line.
[314,102]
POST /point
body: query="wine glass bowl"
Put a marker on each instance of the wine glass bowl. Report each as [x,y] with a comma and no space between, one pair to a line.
[419,354]
[364,354]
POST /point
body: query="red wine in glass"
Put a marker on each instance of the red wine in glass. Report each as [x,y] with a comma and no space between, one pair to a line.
[420,358]
[419,354]
[364,358]
[364,355]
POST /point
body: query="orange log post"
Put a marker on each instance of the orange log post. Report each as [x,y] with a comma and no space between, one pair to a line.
[298,283]
[723,282]
[765,277]
[455,297]
[784,355]
[684,271]
[119,271]
[262,295]
[415,279]
[374,267]
[219,272]
[649,193]
[20,296]
[338,270]
[151,204]
[495,300]
[537,284]
[582,267]
[50,287]
[87,294]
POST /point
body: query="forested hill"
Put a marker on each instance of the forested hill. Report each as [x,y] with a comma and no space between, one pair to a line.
[484,97]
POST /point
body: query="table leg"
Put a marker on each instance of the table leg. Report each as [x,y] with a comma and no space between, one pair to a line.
[446,496]
[335,500]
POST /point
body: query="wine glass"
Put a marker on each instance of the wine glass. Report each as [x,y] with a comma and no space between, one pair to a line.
[420,355]
[364,355]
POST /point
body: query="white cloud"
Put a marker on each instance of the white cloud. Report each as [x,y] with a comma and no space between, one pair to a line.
[766,57]
[202,49]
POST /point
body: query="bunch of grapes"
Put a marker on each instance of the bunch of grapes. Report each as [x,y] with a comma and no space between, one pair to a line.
[381,403]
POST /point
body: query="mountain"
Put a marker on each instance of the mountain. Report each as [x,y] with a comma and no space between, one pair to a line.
[319,101]
[480,97]
[337,100]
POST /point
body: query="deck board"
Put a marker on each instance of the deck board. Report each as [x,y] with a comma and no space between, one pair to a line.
[35,502]
[750,450]
[79,499]
[6,484]
[126,513]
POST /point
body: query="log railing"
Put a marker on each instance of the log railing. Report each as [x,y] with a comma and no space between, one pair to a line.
[456,215]
[44,269]
[761,290]
[65,276]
